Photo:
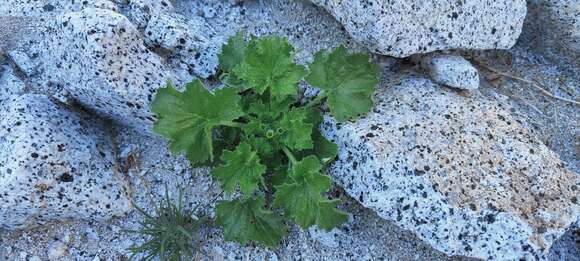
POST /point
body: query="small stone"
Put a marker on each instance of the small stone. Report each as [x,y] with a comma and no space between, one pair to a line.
[327,238]
[451,70]
[209,12]
[57,250]
[22,62]
[35,258]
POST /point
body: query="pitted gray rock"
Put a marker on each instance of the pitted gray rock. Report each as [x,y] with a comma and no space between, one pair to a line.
[401,28]
[140,11]
[99,57]
[451,70]
[10,84]
[27,8]
[458,171]
[553,28]
[189,42]
[55,165]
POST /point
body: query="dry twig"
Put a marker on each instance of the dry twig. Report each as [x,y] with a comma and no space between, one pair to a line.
[535,84]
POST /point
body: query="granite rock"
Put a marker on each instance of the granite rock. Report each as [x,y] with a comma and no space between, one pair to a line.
[401,28]
[22,62]
[27,8]
[553,28]
[451,70]
[55,165]
[140,11]
[98,56]
[458,171]
[188,42]
[10,84]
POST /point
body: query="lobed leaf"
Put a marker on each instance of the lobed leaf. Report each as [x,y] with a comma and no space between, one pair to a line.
[302,198]
[241,167]
[348,81]
[245,220]
[233,52]
[188,118]
[269,64]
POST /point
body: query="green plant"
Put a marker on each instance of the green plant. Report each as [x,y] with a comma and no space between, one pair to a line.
[266,145]
[171,232]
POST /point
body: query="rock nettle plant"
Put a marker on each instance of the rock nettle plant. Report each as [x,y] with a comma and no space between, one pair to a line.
[265,143]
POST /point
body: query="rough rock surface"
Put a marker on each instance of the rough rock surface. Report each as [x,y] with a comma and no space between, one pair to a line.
[451,70]
[27,8]
[140,11]
[100,59]
[54,166]
[458,171]
[187,41]
[402,28]
[554,27]
[22,62]
[10,83]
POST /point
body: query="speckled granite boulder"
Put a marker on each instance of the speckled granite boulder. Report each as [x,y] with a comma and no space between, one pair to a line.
[37,8]
[553,26]
[54,165]
[457,171]
[404,27]
[188,42]
[100,59]
[451,70]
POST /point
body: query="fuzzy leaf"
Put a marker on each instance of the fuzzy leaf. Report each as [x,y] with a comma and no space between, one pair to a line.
[269,63]
[244,220]
[302,198]
[348,81]
[241,167]
[187,118]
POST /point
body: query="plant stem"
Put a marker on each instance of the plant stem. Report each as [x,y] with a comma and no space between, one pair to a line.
[316,101]
[289,155]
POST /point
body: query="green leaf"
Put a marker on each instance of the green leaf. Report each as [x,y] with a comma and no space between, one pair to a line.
[244,220]
[224,138]
[269,64]
[348,81]
[302,199]
[296,132]
[233,52]
[241,167]
[274,124]
[325,150]
[187,118]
